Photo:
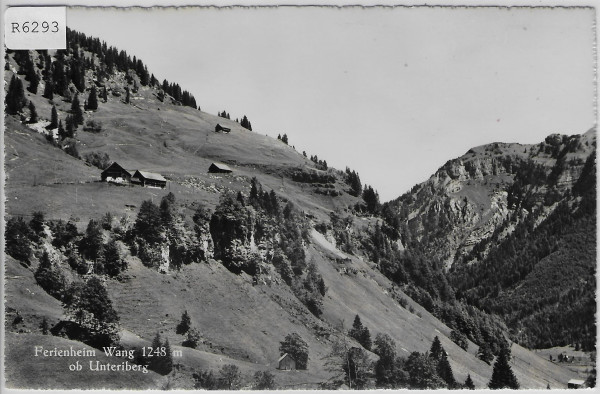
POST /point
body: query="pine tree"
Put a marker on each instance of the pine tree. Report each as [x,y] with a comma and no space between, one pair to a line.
[469,383]
[360,333]
[70,127]
[371,198]
[76,111]
[114,264]
[15,97]
[502,375]
[245,123]
[168,358]
[185,323]
[62,134]
[33,116]
[385,368]
[437,349]
[104,95]
[485,353]
[34,83]
[32,77]
[92,101]
[53,118]
[127,97]
[49,90]
[445,371]
[284,138]
[155,361]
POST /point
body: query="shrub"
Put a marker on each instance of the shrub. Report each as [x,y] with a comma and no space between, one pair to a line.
[64,233]
[98,159]
[460,339]
[264,380]
[93,126]
[37,224]
[50,278]
[229,377]
[193,338]
[18,239]
[205,380]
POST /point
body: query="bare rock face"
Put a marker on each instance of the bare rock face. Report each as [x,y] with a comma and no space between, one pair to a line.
[470,198]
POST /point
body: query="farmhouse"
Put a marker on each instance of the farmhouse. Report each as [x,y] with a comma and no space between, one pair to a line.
[117,174]
[149,179]
[576,384]
[287,363]
[219,128]
[219,168]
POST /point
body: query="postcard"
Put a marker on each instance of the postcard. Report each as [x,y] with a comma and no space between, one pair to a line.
[299,197]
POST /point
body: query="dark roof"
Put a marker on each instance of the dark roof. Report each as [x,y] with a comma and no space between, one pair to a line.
[151,175]
[219,127]
[222,167]
[114,164]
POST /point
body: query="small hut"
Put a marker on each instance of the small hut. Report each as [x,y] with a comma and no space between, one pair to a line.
[149,179]
[219,168]
[219,128]
[576,384]
[287,363]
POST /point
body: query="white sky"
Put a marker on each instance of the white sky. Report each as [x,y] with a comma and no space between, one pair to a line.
[390,92]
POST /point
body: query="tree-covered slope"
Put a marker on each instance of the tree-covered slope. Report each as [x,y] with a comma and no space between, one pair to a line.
[515,228]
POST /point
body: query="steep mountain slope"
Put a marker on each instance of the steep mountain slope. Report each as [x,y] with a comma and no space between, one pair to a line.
[239,295]
[514,227]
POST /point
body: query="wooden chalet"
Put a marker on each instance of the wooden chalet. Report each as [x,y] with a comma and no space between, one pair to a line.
[150,179]
[287,363]
[117,174]
[219,128]
[219,168]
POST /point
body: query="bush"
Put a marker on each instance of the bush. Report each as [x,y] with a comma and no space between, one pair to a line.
[264,380]
[193,338]
[460,339]
[229,377]
[64,233]
[37,224]
[18,239]
[98,159]
[93,126]
[205,380]
[50,278]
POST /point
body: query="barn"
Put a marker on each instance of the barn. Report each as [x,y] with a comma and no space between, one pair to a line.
[287,363]
[576,384]
[149,179]
[219,128]
[115,173]
[219,168]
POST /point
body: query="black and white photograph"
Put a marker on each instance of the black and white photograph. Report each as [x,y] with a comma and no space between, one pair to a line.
[277,196]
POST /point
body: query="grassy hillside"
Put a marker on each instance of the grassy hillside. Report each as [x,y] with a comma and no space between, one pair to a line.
[241,318]
[26,371]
